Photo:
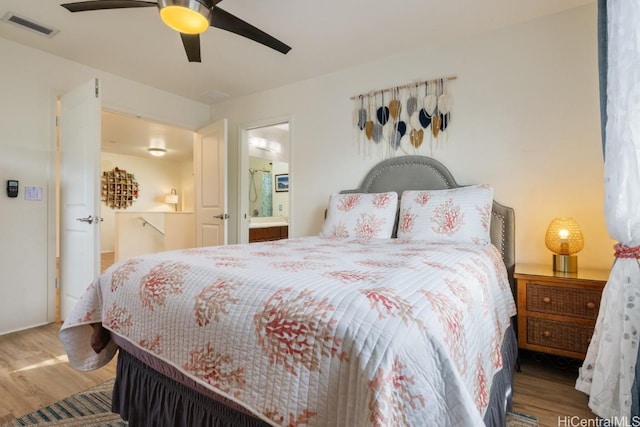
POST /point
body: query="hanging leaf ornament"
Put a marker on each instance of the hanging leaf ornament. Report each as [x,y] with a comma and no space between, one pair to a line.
[368,129]
[395,106]
[424,118]
[412,105]
[362,114]
[430,101]
[444,100]
[382,114]
[377,132]
[414,120]
[416,136]
[435,125]
[394,141]
[368,125]
[444,121]
[444,103]
[436,118]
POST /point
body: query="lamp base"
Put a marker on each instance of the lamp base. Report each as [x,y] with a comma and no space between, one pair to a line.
[565,263]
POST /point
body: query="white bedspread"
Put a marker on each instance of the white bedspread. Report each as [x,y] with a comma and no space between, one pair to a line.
[313,331]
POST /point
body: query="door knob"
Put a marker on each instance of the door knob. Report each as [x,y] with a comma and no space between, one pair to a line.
[222,216]
[88,219]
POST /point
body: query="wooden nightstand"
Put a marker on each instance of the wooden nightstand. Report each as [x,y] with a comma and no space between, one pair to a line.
[557,311]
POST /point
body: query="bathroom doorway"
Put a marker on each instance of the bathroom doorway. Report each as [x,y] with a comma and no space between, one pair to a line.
[265,198]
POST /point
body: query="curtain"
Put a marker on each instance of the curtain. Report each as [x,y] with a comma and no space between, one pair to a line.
[608,372]
[267,198]
[602,66]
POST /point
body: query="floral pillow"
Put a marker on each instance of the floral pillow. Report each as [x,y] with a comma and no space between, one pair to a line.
[361,215]
[459,215]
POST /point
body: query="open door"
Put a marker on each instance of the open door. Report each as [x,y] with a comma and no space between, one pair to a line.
[79,192]
[210,163]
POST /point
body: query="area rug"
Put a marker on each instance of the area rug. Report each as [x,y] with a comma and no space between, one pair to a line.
[92,408]
[515,419]
[88,408]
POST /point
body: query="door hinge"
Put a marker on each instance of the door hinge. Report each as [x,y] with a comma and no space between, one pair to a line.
[57,283]
[97,88]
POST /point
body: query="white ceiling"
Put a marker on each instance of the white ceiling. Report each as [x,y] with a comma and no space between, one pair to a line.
[325,36]
[123,134]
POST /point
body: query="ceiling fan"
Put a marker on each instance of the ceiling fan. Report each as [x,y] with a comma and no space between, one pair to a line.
[189,18]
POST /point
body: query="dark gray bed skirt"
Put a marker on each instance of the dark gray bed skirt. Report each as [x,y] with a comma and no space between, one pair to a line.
[147,398]
[501,394]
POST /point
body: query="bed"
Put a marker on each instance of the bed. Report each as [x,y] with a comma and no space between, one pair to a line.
[378,327]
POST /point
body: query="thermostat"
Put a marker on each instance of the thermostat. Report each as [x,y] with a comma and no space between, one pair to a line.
[12,188]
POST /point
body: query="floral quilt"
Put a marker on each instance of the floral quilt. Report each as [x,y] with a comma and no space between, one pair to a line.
[315,331]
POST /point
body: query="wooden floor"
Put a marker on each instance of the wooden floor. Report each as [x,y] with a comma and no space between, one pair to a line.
[34,372]
[545,388]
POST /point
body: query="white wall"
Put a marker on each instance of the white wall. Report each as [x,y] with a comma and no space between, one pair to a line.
[155,176]
[525,119]
[162,231]
[30,83]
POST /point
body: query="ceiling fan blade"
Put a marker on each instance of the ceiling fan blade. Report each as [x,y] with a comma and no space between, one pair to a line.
[226,21]
[191,44]
[85,6]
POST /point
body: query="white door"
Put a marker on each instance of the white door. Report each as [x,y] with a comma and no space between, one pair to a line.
[210,164]
[79,192]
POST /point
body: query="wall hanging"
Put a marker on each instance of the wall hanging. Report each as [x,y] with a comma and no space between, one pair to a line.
[119,188]
[403,119]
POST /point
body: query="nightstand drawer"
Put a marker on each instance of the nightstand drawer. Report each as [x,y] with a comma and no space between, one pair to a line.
[558,335]
[564,301]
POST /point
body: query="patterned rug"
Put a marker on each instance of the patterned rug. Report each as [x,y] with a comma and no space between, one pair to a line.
[521,420]
[87,408]
[92,408]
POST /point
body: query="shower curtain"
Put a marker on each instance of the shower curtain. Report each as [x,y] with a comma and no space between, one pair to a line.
[267,199]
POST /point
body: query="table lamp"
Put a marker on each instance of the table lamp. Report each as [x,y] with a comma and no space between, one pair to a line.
[564,238]
[172,199]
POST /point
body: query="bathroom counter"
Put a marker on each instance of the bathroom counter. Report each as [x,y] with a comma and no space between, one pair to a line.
[269,224]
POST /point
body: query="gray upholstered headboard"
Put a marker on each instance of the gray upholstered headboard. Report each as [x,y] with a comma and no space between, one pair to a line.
[425,173]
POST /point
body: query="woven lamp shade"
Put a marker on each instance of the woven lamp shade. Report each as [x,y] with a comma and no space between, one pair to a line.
[564,236]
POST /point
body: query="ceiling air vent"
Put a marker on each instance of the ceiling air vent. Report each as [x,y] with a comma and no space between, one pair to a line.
[28,24]
[215,95]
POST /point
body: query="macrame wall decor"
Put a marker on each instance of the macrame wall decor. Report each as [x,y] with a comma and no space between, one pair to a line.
[402,120]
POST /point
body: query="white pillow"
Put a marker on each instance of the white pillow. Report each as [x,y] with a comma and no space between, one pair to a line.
[458,215]
[361,215]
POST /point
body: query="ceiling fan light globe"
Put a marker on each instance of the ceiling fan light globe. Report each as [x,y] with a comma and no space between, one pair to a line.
[185,16]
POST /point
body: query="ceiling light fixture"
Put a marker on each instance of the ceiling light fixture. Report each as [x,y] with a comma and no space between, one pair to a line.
[157,151]
[265,144]
[186,16]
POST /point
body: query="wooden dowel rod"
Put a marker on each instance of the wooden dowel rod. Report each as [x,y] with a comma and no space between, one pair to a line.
[416,84]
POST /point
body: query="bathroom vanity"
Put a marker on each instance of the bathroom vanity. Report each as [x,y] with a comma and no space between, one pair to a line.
[267,229]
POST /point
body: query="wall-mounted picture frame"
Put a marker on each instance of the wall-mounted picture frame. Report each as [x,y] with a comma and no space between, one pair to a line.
[282,182]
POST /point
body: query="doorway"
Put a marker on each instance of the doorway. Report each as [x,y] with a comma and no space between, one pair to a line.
[264,176]
[125,140]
